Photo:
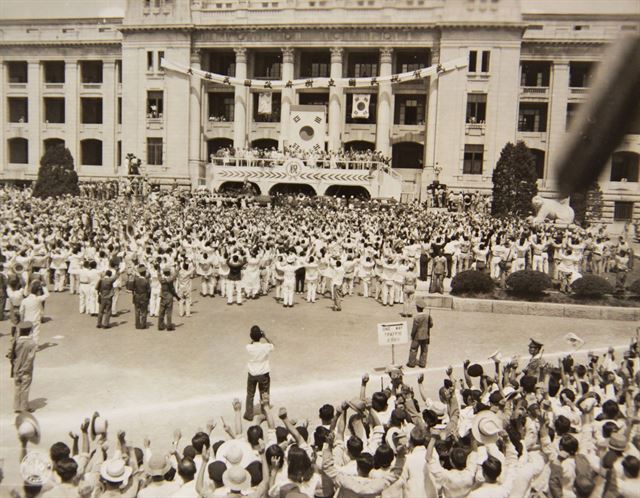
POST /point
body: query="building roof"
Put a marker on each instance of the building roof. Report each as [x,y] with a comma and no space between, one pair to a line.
[61,9]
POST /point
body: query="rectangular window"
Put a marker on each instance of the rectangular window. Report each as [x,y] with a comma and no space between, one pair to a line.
[18,110]
[119,70]
[221,63]
[363,64]
[54,110]
[314,99]
[473,157]
[154,151]
[409,110]
[160,57]
[17,72]
[532,117]
[155,104]
[473,61]
[91,71]
[91,110]
[315,64]
[572,111]
[476,107]
[622,211]
[624,167]
[54,72]
[119,110]
[274,117]
[535,74]
[119,153]
[580,74]
[149,62]
[411,61]
[221,107]
[18,151]
[486,56]
[268,65]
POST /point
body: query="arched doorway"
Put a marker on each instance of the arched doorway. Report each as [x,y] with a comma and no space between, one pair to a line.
[51,143]
[359,145]
[407,155]
[215,144]
[239,187]
[265,143]
[292,189]
[347,191]
[538,155]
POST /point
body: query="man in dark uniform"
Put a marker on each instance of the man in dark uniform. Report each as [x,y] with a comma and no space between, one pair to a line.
[533,367]
[105,297]
[167,293]
[140,286]
[420,333]
[25,355]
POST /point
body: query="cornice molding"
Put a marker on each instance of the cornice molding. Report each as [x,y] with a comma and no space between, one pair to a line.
[57,43]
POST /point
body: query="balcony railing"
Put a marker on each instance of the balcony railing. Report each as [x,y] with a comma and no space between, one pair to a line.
[536,91]
[579,90]
[270,162]
[475,129]
[54,86]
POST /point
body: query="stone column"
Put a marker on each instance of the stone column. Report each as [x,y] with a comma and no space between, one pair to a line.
[4,157]
[557,121]
[335,101]
[71,114]
[195,120]
[383,121]
[109,117]
[288,94]
[34,116]
[240,112]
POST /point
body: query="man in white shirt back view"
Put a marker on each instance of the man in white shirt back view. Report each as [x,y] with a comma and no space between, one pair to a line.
[258,368]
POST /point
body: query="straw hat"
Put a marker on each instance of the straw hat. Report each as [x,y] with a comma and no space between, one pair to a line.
[485,427]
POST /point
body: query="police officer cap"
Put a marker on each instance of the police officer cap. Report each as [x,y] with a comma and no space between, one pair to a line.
[534,344]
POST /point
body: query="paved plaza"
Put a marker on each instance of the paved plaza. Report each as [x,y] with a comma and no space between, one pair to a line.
[149,382]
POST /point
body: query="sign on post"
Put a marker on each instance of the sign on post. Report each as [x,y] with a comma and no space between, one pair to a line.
[390,334]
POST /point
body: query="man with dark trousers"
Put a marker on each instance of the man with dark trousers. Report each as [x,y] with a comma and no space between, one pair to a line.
[258,368]
[420,334]
[140,287]
[23,360]
[105,298]
[167,293]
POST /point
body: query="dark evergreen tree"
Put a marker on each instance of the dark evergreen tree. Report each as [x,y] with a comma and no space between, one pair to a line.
[56,175]
[514,181]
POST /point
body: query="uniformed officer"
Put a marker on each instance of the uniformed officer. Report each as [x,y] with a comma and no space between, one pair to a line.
[167,293]
[140,286]
[420,336]
[25,355]
[535,350]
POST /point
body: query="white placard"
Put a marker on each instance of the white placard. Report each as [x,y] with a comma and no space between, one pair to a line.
[390,334]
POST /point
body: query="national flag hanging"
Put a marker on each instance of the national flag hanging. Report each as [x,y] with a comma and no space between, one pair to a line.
[264,102]
[360,106]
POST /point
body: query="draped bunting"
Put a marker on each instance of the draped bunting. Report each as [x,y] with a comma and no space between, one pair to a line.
[269,85]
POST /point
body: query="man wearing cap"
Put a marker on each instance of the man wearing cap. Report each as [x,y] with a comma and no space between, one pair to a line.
[25,355]
[420,335]
[140,287]
[533,367]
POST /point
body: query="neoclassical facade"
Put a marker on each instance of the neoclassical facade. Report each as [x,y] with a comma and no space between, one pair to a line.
[95,82]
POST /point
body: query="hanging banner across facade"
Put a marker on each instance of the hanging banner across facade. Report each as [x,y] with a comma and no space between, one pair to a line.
[425,72]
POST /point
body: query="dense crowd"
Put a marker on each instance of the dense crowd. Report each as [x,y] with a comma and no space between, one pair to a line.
[520,428]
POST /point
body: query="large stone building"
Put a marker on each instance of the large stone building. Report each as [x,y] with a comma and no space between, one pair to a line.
[90,76]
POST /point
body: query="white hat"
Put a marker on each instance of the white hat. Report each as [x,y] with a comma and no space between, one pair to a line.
[115,470]
[486,426]
[236,478]
[28,427]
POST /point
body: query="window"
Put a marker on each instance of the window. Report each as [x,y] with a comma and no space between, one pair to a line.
[160,57]
[373,106]
[91,71]
[409,109]
[411,61]
[18,151]
[535,73]
[572,111]
[221,106]
[119,70]
[54,72]
[473,156]
[532,117]
[538,155]
[154,151]
[274,117]
[476,107]
[479,61]
[155,107]
[54,110]
[363,64]
[221,63]
[91,110]
[624,167]
[267,65]
[52,143]
[314,98]
[580,74]
[119,110]
[17,72]
[18,110]
[622,211]
[91,152]
[149,62]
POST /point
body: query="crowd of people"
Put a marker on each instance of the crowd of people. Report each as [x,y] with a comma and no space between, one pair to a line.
[313,158]
[519,427]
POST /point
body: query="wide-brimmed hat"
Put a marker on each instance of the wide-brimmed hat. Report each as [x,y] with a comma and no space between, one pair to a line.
[115,470]
[28,427]
[475,370]
[485,427]
[236,478]
[158,465]
[617,442]
[233,455]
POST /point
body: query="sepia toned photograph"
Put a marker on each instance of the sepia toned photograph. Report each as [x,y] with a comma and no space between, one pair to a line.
[319,248]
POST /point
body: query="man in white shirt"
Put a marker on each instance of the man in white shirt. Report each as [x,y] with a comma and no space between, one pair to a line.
[32,307]
[258,368]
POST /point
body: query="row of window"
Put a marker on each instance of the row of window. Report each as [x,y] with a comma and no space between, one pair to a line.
[91,72]
[538,73]
[90,150]
[91,110]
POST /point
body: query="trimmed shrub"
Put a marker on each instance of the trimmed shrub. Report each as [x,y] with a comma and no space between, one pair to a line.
[528,282]
[56,175]
[471,281]
[591,286]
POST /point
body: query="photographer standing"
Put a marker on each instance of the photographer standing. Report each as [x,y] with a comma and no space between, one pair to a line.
[258,368]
